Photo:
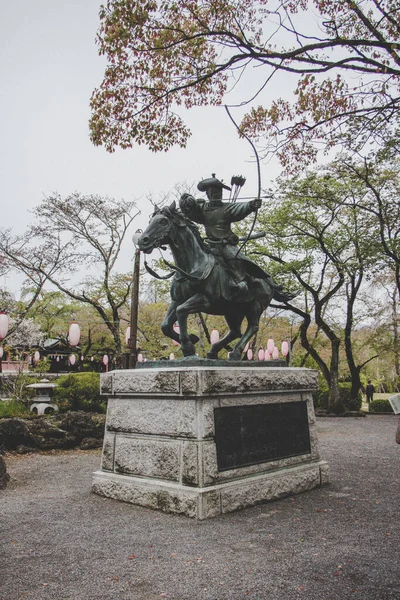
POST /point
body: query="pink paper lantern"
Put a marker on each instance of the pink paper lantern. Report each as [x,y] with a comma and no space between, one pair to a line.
[3,325]
[214,337]
[82,358]
[105,359]
[92,358]
[1,351]
[171,356]
[267,355]
[261,354]
[127,335]
[275,353]
[36,356]
[176,329]
[140,357]
[285,348]
[58,359]
[246,347]
[72,359]
[249,354]
[270,345]
[74,334]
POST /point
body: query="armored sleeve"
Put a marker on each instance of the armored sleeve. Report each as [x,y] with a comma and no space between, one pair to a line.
[239,210]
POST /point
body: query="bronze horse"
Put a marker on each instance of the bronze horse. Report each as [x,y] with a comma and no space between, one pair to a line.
[198,284]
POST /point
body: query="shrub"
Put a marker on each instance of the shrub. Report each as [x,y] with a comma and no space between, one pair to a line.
[380,405]
[321,397]
[42,366]
[346,400]
[80,391]
[12,408]
[13,385]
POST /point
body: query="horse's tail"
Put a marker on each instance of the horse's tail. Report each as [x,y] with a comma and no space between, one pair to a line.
[281,295]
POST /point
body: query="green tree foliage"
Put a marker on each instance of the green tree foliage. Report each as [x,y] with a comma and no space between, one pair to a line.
[342,57]
[54,311]
[74,244]
[378,175]
[317,235]
[385,337]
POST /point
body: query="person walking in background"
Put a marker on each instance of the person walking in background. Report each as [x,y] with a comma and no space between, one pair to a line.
[369,391]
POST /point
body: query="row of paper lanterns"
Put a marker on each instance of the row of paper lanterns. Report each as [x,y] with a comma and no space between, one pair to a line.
[74,335]
[271,352]
[71,358]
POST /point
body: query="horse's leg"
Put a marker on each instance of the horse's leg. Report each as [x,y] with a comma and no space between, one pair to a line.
[196,303]
[169,320]
[167,325]
[253,319]
[234,322]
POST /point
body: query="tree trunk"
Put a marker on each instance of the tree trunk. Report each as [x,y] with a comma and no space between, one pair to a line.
[396,341]
[351,292]
[334,402]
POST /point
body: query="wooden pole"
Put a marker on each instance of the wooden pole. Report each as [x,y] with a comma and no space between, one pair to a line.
[134,311]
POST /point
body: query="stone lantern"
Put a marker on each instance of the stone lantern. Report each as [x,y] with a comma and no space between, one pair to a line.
[42,402]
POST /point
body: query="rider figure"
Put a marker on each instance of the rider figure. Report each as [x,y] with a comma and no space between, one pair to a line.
[217,216]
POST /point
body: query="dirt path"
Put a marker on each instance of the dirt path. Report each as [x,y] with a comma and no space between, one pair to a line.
[58,541]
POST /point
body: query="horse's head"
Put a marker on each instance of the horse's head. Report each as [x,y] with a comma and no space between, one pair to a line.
[162,228]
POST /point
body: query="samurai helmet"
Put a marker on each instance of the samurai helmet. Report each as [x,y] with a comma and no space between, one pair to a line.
[211,182]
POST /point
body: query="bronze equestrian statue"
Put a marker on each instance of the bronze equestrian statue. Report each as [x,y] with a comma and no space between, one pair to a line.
[212,275]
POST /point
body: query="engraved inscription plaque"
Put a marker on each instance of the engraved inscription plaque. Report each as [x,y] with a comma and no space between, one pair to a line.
[248,435]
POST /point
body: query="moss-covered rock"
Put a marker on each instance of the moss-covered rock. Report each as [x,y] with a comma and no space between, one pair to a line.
[56,432]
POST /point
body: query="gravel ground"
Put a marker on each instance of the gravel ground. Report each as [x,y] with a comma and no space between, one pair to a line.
[60,541]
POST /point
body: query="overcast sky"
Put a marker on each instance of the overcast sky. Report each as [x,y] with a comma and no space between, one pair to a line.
[49,66]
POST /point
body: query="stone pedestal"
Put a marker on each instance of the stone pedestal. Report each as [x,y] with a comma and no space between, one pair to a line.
[203,441]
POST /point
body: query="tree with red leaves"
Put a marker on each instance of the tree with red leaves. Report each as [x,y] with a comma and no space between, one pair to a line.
[343,57]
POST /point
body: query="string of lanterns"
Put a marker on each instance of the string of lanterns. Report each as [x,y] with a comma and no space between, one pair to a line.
[271,352]
[74,335]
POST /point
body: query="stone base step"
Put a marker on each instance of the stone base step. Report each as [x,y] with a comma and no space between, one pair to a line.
[207,502]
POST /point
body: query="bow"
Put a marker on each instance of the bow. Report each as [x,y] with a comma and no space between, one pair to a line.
[258,176]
